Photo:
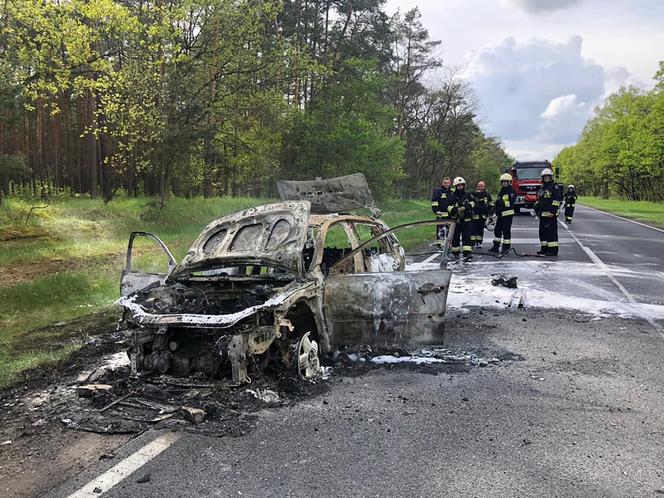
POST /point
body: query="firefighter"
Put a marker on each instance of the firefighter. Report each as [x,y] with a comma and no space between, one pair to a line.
[570,200]
[439,201]
[504,214]
[548,202]
[460,208]
[483,205]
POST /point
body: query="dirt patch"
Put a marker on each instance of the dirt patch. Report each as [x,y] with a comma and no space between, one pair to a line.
[87,329]
[17,273]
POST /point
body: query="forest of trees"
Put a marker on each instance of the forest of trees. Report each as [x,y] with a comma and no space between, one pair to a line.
[621,149]
[223,97]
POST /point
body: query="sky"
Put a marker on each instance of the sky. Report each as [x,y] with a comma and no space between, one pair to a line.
[538,68]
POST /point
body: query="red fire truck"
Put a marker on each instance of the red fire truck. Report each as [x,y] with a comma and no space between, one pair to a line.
[527,181]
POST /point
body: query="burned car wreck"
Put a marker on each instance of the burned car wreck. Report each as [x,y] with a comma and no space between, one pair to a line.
[285,282]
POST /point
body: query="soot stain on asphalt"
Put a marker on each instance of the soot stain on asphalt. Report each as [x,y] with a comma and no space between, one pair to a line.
[109,401]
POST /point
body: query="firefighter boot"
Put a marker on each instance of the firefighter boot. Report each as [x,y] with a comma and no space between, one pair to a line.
[506,246]
[496,246]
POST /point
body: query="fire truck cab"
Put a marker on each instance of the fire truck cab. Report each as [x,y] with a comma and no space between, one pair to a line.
[527,181]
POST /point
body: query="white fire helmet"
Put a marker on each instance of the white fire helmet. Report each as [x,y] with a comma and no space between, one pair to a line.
[459,181]
[547,171]
[506,177]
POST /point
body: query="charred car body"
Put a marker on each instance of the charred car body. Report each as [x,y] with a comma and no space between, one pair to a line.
[280,282]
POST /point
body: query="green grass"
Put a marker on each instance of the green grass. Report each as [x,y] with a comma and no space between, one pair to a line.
[81,244]
[645,211]
[399,212]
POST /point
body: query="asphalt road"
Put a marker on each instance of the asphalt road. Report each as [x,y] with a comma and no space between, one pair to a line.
[575,408]
[633,253]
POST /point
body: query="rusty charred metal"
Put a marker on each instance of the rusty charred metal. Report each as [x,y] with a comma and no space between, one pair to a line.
[341,194]
[278,283]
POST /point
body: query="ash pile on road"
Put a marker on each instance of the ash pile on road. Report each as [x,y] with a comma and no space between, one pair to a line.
[107,400]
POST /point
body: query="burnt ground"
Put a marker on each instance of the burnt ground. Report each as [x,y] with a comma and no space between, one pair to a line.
[511,385]
[54,432]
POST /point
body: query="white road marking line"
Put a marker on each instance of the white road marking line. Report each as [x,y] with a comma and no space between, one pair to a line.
[126,467]
[430,258]
[621,218]
[563,224]
[607,271]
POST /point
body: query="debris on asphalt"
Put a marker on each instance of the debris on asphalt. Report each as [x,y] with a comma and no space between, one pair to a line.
[144,479]
[5,443]
[509,281]
[90,390]
[193,415]
[267,396]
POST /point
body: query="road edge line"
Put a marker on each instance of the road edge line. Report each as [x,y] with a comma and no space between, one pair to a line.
[127,466]
[607,271]
[622,218]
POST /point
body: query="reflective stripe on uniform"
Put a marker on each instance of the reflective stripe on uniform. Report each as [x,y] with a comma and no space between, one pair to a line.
[555,203]
[496,239]
[456,249]
[449,208]
[434,203]
[509,212]
[443,196]
[568,218]
[476,216]
[553,244]
[507,241]
[467,248]
[544,243]
[443,214]
[546,214]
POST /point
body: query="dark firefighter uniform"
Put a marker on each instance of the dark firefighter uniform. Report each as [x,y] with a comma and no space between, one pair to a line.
[504,215]
[569,202]
[548,203]
[483,205]
[439,201]
[460,209]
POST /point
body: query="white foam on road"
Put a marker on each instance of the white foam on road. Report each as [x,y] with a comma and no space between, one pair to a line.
[470,292]
[545,284]
[418,360]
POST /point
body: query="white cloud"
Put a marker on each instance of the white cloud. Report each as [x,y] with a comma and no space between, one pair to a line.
[561,106]
[539,92]
[542,6]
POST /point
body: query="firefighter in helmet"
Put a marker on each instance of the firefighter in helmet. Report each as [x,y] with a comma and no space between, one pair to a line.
[504,214]
[569,201]
[460,208]
[439,201]
[549,198]
[483,205]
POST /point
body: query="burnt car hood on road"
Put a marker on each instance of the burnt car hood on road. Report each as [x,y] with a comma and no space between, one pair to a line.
[269,235]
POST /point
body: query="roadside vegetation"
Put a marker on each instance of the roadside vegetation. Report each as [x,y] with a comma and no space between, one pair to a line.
[645,211]
[65,263]
[223,97]
[620,152]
